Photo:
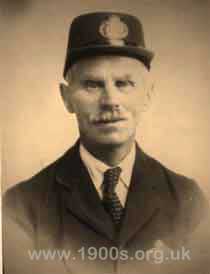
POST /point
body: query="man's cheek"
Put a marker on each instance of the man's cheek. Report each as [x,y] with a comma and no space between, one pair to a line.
[84,117]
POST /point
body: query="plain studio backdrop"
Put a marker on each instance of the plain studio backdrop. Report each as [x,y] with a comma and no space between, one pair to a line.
[36,127]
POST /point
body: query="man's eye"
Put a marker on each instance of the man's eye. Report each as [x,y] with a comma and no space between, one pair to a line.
[122,84]
[90,84]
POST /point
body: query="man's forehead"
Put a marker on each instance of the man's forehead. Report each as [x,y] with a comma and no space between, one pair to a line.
[118,66]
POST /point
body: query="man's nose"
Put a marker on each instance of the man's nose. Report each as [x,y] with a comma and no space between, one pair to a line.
[110,96]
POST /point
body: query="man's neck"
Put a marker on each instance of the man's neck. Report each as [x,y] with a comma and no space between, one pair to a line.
[111,155]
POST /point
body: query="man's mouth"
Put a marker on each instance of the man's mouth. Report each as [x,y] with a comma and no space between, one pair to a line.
[108,121]
[107,118]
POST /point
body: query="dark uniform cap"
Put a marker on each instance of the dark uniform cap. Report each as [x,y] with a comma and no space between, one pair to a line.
[103,33]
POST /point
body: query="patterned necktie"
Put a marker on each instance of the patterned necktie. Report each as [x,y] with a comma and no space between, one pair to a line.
[111,201]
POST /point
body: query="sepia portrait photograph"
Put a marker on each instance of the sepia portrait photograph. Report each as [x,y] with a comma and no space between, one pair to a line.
[105,113]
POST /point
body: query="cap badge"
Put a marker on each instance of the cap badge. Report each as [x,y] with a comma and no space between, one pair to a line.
[114,29]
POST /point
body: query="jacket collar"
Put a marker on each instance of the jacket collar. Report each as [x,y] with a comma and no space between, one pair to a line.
[82,200]
[79,194]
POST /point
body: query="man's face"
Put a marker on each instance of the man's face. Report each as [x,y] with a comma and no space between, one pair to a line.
[108,95]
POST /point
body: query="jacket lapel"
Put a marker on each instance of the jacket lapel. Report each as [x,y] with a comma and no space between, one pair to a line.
[143,201]
[81,199]
[79,195]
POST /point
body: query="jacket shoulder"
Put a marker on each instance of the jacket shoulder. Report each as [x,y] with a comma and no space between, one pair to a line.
[22,202]
[27,199]
[32,187]
[192,206]
[185,190]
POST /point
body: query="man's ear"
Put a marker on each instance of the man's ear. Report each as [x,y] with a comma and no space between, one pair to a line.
[150,90]
[65,94]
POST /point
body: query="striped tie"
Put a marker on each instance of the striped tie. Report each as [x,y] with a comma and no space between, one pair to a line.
[111,201]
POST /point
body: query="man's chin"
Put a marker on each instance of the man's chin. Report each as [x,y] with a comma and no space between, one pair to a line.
[111,141]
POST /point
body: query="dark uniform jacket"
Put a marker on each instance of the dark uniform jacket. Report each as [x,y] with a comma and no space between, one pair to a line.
[59,210]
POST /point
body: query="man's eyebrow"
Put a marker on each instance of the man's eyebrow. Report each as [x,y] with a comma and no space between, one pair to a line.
[91,77]
[127,77]
[88,76]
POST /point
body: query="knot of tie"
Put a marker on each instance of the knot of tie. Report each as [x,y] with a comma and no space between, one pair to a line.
[111,178]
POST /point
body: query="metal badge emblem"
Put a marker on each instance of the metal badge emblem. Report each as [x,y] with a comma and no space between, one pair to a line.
[114,29]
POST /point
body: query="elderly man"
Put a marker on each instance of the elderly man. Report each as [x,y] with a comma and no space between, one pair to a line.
[104,207]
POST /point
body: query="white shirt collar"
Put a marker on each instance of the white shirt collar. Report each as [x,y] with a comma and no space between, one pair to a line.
[96,168]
